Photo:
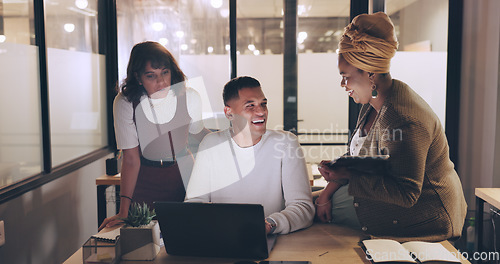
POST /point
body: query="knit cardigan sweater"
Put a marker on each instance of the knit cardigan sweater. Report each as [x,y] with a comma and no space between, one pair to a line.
[420,196]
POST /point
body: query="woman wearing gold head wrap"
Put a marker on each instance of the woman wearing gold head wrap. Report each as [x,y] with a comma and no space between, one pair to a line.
[419,197]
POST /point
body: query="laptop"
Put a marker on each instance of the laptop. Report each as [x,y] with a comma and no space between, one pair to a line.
[220,230]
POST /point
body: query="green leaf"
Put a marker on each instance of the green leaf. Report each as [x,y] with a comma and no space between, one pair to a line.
[139,215]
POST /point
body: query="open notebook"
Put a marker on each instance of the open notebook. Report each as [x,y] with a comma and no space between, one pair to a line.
[387,250]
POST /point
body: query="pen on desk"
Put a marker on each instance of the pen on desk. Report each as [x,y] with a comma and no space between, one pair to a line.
[322,254]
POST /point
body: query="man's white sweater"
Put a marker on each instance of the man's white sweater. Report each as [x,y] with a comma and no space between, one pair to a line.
[271,173]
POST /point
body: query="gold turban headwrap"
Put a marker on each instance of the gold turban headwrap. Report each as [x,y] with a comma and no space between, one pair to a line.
[369,42]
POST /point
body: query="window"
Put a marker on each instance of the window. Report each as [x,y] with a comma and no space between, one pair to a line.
[421,59]
[20,140]
[54,74]
[322,104]
[77,81]
[260,51]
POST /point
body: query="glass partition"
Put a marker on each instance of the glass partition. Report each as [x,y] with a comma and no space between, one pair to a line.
[77,81]
[322,104]
[20,140]
[259,27]
[423,42]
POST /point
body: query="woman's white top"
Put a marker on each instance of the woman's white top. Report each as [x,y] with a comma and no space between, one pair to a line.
[356,143]
[165,108]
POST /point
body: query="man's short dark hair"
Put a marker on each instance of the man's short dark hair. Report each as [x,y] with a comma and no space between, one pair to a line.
[232,88]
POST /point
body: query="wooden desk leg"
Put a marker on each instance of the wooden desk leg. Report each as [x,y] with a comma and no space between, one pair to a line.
[479,226]
[101,203]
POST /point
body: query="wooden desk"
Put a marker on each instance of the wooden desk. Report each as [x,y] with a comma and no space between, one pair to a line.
[488,195]
[102,183]
[320,244]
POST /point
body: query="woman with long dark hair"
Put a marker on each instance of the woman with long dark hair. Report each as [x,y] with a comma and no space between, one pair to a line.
[154,113]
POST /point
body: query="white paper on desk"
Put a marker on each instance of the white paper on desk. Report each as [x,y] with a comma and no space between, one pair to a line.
[109,236]
[427,251]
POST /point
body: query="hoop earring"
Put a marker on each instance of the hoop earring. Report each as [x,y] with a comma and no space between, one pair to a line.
[374,91]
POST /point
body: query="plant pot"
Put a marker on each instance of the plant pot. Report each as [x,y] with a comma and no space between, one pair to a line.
[140,243]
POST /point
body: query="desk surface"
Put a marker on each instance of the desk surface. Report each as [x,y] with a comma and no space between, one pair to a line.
[115,180]
[108,180]
[321,243]
[489,195]
[312,170]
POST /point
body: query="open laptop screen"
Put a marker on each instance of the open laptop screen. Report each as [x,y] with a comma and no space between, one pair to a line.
[213,229]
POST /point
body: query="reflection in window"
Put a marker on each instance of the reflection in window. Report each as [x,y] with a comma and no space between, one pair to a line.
[72,25]
[259,27]
[321,25]
[20,146]
[77,82]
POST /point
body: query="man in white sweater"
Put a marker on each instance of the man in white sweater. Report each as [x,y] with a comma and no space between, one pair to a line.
[249,164]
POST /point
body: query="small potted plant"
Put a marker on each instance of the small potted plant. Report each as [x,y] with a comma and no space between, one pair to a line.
[140,237]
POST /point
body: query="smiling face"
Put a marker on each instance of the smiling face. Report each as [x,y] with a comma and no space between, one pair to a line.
[356,82]
[248,113]
[155,80]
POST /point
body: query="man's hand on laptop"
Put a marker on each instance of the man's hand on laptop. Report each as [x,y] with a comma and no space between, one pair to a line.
[270,225]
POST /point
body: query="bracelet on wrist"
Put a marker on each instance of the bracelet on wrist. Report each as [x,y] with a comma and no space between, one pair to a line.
[323,204]
[124,196]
